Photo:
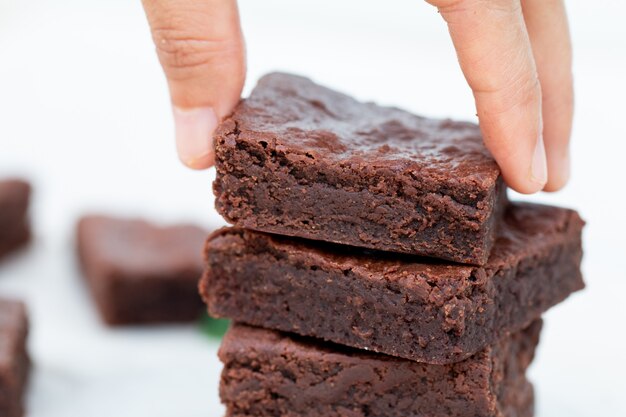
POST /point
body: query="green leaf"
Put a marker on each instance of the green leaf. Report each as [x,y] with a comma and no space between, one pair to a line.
[214,328]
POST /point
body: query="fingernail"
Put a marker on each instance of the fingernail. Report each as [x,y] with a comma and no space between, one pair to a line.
[194,135]
[539,164]
[565,167]
[560,171]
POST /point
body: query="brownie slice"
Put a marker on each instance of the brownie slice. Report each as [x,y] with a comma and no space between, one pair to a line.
[14,360]
[267,373]
[14,227]
[299,159]
[415,308]
[140,272]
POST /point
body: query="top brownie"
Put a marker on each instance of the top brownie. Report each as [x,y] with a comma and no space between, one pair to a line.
[298,159]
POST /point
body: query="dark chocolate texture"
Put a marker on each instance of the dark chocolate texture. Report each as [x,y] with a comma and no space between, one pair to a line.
[14,359]
[139,272]
[410,307]
[14,226]
[267,373]
[299,159]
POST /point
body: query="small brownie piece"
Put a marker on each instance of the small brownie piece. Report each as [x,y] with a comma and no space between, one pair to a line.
[298,159]
[415,308]
[14,360]
[267,373]
[139,272]
[14,227]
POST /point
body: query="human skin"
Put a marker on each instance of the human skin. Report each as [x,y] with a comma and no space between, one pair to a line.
[515,55]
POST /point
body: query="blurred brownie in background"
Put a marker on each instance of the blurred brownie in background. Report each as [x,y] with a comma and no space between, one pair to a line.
[14,360]
[267,373]
[14,227]
[140,272]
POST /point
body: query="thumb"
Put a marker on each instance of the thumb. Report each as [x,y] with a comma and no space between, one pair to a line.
[201,49]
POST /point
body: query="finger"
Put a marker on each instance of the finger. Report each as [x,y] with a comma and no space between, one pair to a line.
[495,55]
[201,49]
[546,22]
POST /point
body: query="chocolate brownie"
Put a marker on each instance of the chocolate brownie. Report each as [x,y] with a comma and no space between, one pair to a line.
[14,360]
[299,159]
[267,373]
[415,308]
[14,227]
[140,272]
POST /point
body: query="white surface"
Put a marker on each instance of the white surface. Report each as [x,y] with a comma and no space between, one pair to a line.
[84,114]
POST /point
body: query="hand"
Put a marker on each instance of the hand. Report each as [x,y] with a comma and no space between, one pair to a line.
[201,49]
[515,56]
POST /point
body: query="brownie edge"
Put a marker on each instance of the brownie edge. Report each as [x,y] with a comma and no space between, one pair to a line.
[415,308]
[267,373]
[14,360]
[14,226]
[298,159]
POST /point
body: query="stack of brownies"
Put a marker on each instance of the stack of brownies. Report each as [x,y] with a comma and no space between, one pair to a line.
[376,267]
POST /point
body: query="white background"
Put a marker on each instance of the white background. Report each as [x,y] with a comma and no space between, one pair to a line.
[84,114]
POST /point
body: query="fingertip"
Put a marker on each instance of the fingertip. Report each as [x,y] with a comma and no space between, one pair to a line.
[522,161]
[199,162]
[523,181]
[194,136]
[515,139]
[521,184]
[524,171]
